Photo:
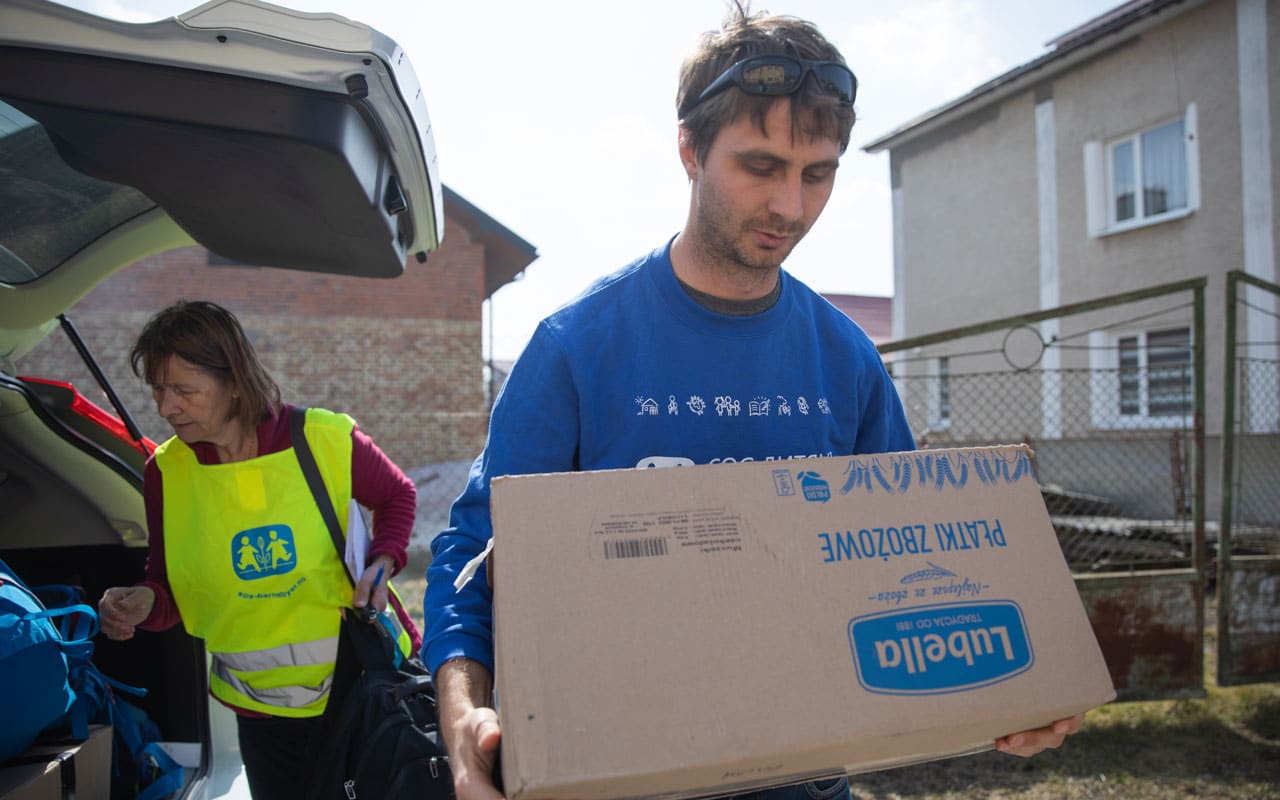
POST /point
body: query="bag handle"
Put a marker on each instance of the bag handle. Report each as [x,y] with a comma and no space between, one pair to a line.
[306,460]
[318,491]
[79,624]
[79,621]
[369,646]
[78,631]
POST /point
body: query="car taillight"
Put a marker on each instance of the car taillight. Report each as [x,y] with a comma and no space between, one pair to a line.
[85,408]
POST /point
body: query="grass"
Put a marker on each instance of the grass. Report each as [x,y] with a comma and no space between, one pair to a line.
[1225,745]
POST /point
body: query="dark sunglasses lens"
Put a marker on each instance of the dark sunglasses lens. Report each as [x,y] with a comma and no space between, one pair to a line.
[835,79]
[771,76]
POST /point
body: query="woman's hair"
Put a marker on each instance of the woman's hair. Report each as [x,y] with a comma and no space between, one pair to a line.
[210,337]
[744,35]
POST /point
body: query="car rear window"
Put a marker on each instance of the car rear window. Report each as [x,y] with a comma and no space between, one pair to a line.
[49,211]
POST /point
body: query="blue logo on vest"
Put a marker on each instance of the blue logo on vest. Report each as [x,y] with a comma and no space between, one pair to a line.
[263,552]
[816,490]
[940,649]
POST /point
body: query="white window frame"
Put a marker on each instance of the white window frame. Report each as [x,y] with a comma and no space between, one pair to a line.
[1104,384]
[1099,183]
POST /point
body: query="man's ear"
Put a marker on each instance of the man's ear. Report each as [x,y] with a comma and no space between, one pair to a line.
[688,158]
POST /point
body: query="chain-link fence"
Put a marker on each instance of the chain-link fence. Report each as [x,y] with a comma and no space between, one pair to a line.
[1105,395]
[1118,499]
[1255,494]
[1251,417]
[1248,568]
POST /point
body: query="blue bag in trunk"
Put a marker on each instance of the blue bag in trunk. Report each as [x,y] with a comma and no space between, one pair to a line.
[34,660]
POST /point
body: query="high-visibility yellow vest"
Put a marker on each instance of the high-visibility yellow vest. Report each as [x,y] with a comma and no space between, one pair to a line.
[254,571]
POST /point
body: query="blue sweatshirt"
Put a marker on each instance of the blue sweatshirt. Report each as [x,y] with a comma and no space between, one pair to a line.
[636,373]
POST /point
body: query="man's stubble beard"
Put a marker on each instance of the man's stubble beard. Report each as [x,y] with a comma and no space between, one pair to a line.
[725,243]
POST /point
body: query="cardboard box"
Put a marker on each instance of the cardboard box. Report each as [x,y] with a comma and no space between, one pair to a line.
[93,764]
[31,782]
[84,767]
[697,630]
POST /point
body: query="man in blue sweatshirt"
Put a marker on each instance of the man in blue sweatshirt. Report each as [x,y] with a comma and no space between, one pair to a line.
[702,351]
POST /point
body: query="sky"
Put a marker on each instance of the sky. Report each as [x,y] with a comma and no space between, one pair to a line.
[557,118]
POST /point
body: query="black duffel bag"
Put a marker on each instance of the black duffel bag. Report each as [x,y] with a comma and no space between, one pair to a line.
[381,738]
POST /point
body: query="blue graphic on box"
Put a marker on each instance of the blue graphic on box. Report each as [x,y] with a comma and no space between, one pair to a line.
[816,490]
[941,649]
[936,582]
[899,473]
[782,483]
[929,573]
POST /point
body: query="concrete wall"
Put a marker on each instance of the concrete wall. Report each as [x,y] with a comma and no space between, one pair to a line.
[968,213]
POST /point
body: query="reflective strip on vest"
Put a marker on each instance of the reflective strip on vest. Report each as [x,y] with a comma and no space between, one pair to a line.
[320,651]
[301,654]
[280,697]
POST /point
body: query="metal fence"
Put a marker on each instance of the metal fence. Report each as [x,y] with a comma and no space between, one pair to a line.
[1110,396]
[1248,564]
[1119,496]
[1106,396]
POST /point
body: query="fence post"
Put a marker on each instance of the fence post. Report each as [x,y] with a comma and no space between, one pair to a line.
[1197,434]
[1227,470]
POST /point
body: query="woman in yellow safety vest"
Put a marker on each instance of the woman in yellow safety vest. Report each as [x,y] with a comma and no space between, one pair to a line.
[239,552]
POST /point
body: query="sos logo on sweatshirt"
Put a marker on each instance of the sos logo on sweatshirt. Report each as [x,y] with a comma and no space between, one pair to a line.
[953,647]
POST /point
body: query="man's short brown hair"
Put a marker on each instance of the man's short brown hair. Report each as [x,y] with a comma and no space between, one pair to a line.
[742,35]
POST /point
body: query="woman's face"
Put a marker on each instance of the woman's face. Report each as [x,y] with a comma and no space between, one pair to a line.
[195,402]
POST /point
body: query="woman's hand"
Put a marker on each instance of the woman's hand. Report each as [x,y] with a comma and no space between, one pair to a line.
[123,608]
[372,588]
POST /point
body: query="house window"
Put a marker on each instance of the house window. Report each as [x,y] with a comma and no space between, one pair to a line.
[1149,173]
[1168,364]
[1143,178]
[1152,379]
[1130,376]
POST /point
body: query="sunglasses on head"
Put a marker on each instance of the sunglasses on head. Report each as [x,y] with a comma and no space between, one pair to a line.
[773,76]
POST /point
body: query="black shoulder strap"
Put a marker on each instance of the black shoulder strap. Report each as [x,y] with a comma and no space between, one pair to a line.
[349,659]
[298,434]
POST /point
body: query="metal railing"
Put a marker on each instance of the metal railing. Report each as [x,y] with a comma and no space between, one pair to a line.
[1110,395]
[1248,564]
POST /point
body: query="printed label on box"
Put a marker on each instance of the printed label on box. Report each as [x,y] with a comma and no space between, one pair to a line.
[940,649]
[655,534]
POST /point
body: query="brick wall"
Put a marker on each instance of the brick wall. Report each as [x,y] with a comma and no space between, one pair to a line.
[403,356]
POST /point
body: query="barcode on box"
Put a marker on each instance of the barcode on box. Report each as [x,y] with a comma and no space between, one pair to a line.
[636,548]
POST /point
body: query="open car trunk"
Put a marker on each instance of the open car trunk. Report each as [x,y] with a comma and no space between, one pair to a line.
[269,136]
[73,514]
